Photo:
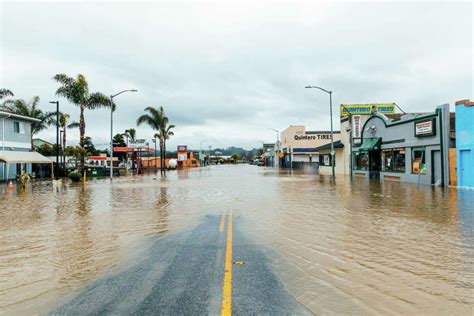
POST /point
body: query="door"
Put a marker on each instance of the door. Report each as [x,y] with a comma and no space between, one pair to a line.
[466,174]
[375,163]
[436,167]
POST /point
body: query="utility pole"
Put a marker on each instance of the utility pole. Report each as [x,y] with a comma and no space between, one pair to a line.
[57,138]
[332,132]
[112,129]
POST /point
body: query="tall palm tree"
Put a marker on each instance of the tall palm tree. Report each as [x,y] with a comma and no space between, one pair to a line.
[76,91]
[31,109]
[166,132]
[154,119]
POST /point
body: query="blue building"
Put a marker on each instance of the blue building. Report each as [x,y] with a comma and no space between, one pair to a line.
[16,156]
[465,143]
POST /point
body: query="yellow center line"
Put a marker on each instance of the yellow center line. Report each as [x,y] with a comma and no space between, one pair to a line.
[226,308]
[221,226]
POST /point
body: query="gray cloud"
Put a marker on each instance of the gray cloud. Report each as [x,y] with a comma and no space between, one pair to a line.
[228,72]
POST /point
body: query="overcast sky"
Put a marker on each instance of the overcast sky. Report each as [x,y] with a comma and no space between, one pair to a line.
[226,73]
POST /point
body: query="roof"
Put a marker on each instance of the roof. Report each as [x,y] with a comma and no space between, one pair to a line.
[23,157]
[39,141]
[8,113]
[337,144]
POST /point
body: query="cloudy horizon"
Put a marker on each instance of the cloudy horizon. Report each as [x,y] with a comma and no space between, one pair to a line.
[228,73]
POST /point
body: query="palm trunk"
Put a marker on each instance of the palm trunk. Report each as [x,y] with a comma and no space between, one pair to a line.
[64,148]
[164,155]
[82,127]
[31,138]
[161,158]
[82,132]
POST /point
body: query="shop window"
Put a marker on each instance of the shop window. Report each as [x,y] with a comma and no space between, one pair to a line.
[393,160]
[361,160]
[418,161]
[325,160]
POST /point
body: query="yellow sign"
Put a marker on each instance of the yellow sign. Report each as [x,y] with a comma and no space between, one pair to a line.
[281,155]
[366,109]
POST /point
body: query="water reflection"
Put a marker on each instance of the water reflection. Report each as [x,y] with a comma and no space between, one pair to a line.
[360,247]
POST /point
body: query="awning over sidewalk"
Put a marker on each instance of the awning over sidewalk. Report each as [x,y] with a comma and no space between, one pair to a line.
[23,157]
[371,144]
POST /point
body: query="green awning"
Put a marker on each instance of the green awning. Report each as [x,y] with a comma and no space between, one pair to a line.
[371,144]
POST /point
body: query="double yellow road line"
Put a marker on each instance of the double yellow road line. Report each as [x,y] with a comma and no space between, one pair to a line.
[226,307]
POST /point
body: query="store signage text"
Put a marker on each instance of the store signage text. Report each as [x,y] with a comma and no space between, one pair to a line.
[313,137]
[424,128]
[356,129]
[366,109]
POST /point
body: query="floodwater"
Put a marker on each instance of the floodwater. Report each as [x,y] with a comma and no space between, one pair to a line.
[341,247]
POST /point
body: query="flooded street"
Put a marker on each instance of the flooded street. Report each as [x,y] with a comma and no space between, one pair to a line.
[355,247]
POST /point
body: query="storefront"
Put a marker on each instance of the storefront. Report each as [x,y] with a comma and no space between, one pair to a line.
[465,143]
[300,147]
[413,148]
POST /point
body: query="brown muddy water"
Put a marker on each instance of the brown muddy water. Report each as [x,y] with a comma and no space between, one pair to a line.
[347,247]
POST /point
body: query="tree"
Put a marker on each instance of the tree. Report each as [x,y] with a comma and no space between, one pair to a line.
[119,141]
[46,150]
[31,109]
[131,134]
[158,121]
[75,151]
[154,119]
[235,157]
[89,147]
[76,91]
[5,93]
[166,132]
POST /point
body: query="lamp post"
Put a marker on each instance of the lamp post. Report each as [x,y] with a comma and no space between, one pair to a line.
[277,146]
[332,132]
[61,141]
[200,152]
[57,138]
[112,129]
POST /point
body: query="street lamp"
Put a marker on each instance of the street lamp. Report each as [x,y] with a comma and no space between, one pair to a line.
[332,138]
[57,137]
[112,128]
[200,151]
[277,146]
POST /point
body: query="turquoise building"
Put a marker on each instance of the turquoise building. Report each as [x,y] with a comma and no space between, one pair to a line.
[465,143]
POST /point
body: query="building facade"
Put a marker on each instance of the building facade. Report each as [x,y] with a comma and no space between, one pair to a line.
[412,148]
[465,143]
[15,136]
[299,147]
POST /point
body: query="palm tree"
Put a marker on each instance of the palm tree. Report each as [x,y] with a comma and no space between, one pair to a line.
[76,91]
[131,134]
[31,109]
[154,119]
[166,132]
[5,93]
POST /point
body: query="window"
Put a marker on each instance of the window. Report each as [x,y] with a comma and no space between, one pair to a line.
[393,160]
[325,160]
[361,160]
[16,127]
[418,157]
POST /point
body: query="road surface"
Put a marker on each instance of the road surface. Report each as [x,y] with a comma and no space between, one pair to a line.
[210,269]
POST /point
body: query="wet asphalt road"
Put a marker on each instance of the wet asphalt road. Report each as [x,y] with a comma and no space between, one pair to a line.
[183,273]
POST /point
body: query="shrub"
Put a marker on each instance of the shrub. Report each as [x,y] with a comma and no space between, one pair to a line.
[75,176]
